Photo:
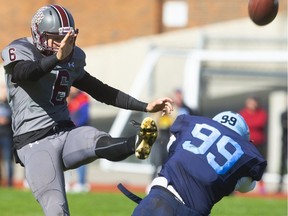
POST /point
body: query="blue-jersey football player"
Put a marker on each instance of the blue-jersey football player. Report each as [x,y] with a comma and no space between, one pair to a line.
[208,159]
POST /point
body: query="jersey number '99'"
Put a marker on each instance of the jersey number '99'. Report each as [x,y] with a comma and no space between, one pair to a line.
[221,141]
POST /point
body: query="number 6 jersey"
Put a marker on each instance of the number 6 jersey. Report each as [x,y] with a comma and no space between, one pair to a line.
[37,105]
[207,159]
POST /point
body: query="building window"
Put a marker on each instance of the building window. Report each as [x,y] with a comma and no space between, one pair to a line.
[175,14]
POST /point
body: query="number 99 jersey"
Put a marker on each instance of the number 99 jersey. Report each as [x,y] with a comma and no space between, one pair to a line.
[207,159]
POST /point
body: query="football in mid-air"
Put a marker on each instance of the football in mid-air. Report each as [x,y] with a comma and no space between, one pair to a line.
[262,12]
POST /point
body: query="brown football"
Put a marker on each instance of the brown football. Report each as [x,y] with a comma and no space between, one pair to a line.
[262,12]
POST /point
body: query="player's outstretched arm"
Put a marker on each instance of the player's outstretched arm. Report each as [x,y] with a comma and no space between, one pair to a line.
[161,104]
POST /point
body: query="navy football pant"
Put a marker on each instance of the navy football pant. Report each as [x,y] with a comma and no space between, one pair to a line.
[160,201]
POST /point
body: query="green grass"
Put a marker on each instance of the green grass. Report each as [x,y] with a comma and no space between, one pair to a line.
[22,203]
[250,206]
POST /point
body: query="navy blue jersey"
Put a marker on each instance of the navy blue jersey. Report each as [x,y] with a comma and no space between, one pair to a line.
[207,159]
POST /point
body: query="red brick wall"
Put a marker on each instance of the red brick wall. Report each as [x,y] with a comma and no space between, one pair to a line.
[114,20]
[99,21]
[105,21]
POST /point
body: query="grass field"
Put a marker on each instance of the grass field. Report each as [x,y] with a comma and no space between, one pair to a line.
[21,203]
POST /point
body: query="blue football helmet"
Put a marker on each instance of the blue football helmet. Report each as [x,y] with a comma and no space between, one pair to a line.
[235,122]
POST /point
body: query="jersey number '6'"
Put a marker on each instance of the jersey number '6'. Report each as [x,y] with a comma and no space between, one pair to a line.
[221,143]
[60,88]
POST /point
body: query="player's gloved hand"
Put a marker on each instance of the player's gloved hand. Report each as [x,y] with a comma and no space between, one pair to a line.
[66,46]
[161,104]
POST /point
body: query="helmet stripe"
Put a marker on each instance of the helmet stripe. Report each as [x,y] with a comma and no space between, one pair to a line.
[64,18]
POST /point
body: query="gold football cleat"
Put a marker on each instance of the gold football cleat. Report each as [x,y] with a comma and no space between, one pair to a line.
[146,137]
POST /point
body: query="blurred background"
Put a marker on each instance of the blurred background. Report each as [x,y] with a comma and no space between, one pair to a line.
[211,50]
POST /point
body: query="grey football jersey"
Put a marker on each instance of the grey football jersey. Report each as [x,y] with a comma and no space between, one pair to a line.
[37,105]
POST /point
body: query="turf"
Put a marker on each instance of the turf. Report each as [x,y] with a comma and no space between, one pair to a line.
[250,206]
[21,203]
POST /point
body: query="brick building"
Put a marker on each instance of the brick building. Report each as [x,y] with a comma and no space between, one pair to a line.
[106,21]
